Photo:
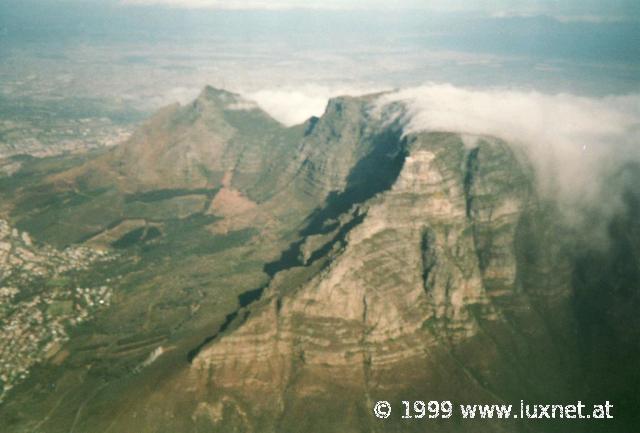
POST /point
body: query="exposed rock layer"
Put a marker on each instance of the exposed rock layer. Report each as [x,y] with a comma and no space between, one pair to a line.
[418,278]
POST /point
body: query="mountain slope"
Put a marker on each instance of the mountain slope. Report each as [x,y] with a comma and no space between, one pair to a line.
[419,283]
[277,279]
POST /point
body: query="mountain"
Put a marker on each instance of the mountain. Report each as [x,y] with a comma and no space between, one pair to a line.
[274,279]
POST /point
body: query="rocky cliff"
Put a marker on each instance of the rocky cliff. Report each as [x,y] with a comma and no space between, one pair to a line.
[413,279]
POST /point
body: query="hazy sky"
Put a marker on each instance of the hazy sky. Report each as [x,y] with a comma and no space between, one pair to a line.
[564,9]
[586,10]
[291,55]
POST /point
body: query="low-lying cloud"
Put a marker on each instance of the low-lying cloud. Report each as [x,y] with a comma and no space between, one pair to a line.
[294,105]
[573,141]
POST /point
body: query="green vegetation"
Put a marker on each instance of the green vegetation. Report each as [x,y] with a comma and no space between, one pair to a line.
[58,308]
[137,236]
[165,194]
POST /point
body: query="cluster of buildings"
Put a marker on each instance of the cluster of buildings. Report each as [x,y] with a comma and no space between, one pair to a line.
[65,136]
[38,303]
[22,261]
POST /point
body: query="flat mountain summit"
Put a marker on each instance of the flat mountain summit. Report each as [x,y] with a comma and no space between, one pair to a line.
[274,279]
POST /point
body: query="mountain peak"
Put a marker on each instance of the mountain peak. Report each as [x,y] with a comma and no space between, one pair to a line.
[213,97]
[209,92]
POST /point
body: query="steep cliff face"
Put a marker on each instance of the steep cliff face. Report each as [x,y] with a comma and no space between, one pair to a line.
[334,143]
[416,277]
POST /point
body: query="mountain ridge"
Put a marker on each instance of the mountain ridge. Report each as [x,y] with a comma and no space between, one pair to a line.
[310,271]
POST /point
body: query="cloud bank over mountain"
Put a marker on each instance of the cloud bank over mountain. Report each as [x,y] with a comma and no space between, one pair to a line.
[573,141]
[293,105]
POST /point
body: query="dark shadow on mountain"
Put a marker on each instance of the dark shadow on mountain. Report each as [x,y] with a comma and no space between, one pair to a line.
[373,174]
[606,302]
[244,299]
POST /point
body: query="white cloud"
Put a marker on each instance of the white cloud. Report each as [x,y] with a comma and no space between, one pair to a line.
[595,19]
[294,105]
[242,105]
[570,139]
[563,17]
